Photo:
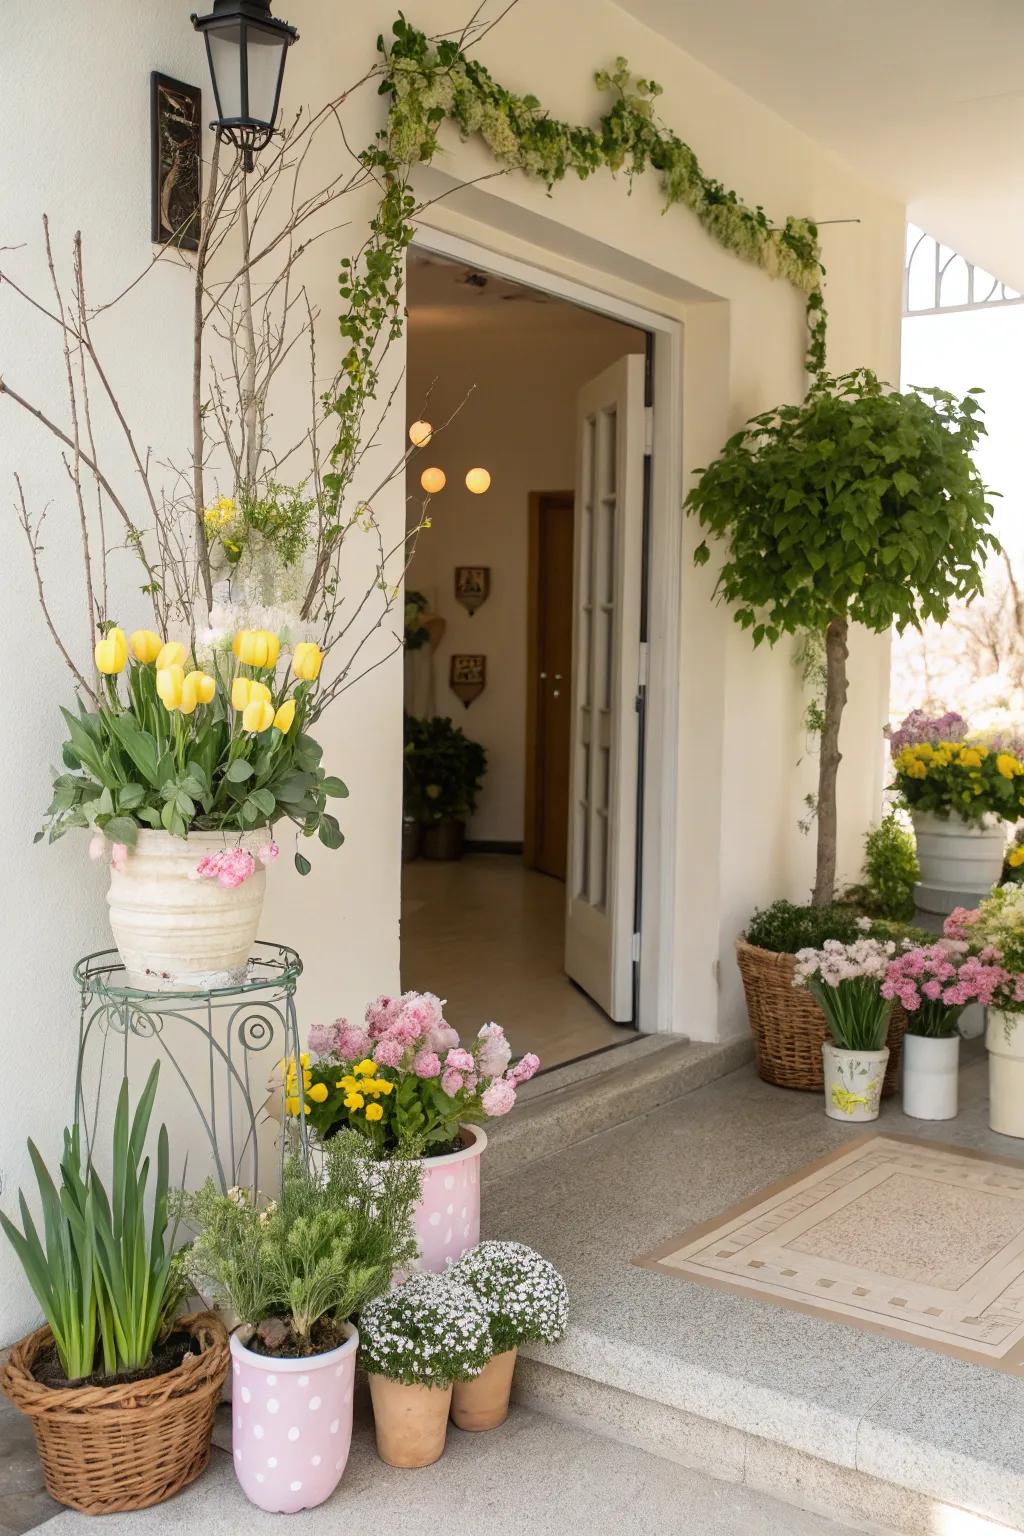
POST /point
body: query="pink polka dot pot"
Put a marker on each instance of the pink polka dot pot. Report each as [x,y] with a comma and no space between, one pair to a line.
[292,1424]
[448,1215]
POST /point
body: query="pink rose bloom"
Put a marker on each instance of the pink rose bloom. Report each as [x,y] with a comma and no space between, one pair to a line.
[269,852]
[119,856]
[97,846]
[353,1042]
[493,1053]
[499,1098]
[427,1064]
[459,1061]
[388,1053]
[451,1083]
[442,1039]
[524,1069]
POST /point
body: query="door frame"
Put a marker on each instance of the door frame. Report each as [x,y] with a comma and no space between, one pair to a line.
[658,1010]
[531,776]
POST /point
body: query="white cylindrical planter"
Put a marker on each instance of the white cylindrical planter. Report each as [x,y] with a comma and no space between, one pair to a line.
[931,1078]
[175,932]
[1004,1037]
[959,860]
[853,1082]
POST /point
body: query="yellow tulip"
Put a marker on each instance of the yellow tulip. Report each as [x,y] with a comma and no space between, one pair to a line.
[170,655]
[146,646]
[236,644]
[197,688]
[257,648]
[169,684]
[307,661]
[258,716]
[246,690]
[285,717]
[111,652]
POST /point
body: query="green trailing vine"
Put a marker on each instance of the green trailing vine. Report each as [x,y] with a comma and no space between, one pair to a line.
[430,81]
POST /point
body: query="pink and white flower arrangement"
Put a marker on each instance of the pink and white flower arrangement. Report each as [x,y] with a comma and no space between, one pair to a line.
[934,983]
[405,1080]
[846,981]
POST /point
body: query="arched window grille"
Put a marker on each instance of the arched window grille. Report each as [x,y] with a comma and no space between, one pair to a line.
[937,279]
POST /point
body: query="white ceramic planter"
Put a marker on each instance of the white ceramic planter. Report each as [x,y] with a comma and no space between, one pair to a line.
[853,1082]
[176,933]
[931,1078]
[448,1215]
[292,1424]
[957,858]
[1004,1037]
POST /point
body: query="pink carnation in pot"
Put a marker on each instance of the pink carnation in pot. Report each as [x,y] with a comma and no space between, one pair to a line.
[499,1098]
[427,1064]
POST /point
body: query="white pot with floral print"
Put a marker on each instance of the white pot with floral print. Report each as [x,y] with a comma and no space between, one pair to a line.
[853,1082]
[1004,1037]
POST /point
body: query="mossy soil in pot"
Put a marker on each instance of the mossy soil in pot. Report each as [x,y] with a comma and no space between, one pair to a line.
[47,1369]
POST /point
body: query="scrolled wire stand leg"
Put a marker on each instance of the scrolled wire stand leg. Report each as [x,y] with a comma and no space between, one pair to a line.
[219,1052]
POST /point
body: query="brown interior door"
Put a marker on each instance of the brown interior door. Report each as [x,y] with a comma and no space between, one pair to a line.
[549,692]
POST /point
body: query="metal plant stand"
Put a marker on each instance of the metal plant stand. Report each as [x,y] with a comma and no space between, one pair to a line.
[220,1049]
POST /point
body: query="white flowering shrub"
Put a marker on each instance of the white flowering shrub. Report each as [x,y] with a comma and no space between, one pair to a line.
[525,1296]
[431,1331]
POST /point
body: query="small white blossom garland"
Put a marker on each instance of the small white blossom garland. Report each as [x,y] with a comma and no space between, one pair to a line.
[429,1332]
[525,1296]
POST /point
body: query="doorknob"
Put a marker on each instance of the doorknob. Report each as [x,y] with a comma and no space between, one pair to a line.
[558,677]
[543,677]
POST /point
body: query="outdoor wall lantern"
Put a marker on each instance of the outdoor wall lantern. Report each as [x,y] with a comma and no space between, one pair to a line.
[247,48]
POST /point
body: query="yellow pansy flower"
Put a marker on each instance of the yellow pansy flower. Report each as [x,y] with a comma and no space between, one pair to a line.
[354,1101]
[318,1093]
[307,659]
[969,758]
[1006,765]
[374,1112]
[146,645]
[111,652]
[364,1068]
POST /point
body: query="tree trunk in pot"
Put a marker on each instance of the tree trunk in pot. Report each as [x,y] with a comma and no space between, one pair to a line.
[828,764]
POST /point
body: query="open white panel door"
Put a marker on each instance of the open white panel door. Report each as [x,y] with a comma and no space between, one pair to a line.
[606,666]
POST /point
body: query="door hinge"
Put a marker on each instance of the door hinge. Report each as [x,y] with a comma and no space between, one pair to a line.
[636,949]
[648,429]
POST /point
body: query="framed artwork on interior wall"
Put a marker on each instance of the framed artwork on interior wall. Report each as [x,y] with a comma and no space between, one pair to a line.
[176,119]
[467,677]
[472,586]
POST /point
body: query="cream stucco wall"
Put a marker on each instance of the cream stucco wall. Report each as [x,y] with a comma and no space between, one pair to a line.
[76,144]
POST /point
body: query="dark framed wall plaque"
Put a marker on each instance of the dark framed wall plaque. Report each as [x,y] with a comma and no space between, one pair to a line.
[467,677]
[176,118]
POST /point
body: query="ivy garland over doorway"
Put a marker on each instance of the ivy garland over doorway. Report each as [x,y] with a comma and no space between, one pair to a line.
[430,81]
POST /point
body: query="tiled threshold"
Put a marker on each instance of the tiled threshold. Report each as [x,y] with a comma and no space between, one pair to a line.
[873,1431]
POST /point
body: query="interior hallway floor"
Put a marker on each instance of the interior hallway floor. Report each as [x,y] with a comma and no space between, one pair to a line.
[487,934]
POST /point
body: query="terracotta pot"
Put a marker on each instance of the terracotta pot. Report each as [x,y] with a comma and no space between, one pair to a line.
[448,1213]
[292,1424]
[483,1402]
[176,933]
[410,1421]
[443,839]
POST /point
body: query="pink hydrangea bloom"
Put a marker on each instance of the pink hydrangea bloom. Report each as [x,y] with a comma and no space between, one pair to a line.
[442,1039]
[353,1042]
[387,1053]
[323,1038]
[499,1097]
[493,1052]
[918,727]
[427,1064]
[420,1013]
[381,1014]
[459,1060]
[451,1083]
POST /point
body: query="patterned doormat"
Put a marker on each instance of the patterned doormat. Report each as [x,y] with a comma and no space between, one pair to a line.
[897,1236]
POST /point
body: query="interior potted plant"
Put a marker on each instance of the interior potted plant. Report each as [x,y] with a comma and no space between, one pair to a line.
[446,770]
[291,1273]
[525,1298]
[417,1341]
[121,1391]
[934,984]
[962,792]
[182,770]
[406,1083]
[859,504]
[994,932]
[846,980]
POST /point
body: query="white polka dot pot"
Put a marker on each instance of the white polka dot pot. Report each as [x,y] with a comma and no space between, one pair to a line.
[292,1424]
[448,1215]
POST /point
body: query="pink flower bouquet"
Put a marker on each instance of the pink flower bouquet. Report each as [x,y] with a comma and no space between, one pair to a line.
[403,1079]
[936,982]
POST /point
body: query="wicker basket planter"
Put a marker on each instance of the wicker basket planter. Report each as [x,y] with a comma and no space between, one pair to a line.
[789,1028]
[105,1449]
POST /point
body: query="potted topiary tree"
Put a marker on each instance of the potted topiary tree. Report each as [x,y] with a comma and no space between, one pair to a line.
[444,771]
[860,504]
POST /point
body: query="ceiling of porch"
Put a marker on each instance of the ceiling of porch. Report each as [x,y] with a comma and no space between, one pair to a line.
[924,98]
